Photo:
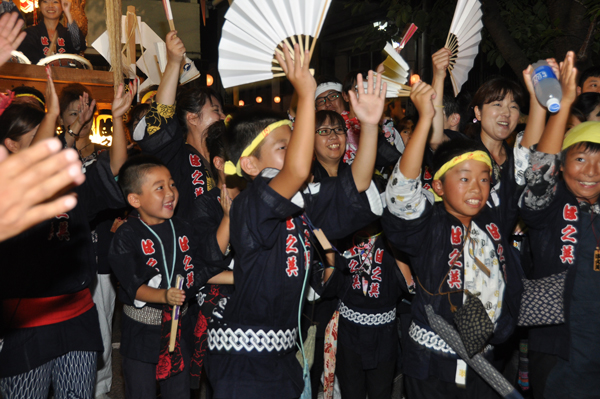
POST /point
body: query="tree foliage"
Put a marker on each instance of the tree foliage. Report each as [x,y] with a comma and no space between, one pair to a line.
[539,28]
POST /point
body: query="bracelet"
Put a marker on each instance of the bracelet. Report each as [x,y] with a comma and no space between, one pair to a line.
[71,133]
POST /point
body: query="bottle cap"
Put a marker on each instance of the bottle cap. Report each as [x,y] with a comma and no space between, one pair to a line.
[553,105]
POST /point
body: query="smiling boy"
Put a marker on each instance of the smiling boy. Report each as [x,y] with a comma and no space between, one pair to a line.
[456,245]
[146,255]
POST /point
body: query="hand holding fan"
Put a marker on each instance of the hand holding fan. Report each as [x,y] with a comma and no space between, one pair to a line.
[463,41]
[255,29]
[395,74]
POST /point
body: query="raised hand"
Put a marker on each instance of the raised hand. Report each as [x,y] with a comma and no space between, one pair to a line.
[422,95]
[10,35]
[66,6]
[30,183]
[225,200]
[175,48]
[122,101]
[441,62]
[568,80]
[52,105]
[368,106]
[297,71]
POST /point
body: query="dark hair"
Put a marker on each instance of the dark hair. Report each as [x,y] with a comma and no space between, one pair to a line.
[451,105]
[19,119]
[585,104]
[494,89]
[245,126]
[453,148]
[191,99]
[591,72]
[350,81]
[322,116]
[133,171]
[588,146]
[30,91]
[71,93]
[215,144]
[136,115]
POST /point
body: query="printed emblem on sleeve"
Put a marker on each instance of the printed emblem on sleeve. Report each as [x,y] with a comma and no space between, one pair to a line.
[187,263]
[493,230]
[189,279]
[570,212]
[199,191]
[148,247]
[356,282]
[376,276]
[290,243]
[289,224]
[152,262]
[374,290]
[567,234]
[567,254]
[453,261]
[454,279]
[292,266]
[197,176]
[184,244]
[195,160]
[61,42]
[456,235]
[353,265]
[45,41]
[379,256]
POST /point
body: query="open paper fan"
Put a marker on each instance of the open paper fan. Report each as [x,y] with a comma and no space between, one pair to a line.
[255,29]
[463,41]
[395,74]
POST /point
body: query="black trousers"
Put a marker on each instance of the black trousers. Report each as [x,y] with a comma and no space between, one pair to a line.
[433,388]
[140,379]
[540,366]
[356,383]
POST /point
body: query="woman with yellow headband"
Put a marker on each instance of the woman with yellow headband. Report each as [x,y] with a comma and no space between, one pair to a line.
[560,205]
[458,247]
[176,126]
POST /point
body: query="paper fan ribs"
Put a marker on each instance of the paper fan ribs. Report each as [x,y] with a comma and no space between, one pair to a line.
[255,29]
[463,41]
[395,74]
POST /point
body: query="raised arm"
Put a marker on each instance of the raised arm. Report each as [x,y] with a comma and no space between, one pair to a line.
[120,106]
[167,89]
[368,108]
[410,164]
[554,133]
[299,154]
[223,230]
[47,128]
[441,61]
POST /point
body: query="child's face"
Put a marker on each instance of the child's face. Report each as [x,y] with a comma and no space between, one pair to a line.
[499,118]
[591,85]
[405,134]
[273,149]
[159,196]
[465,189]
[581,172]
[330,147]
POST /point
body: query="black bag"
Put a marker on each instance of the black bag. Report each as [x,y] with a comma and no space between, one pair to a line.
[473,325]
[542,302]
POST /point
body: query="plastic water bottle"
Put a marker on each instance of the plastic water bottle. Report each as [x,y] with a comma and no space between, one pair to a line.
[547,87]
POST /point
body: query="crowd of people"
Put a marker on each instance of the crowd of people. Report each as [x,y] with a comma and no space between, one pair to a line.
[266,255]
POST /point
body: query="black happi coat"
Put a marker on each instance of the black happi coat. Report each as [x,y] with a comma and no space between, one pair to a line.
[36,44]
[135,257]
[384,285]
[189,169]
[555,233]
[270,238]
[431,241]
[54,258]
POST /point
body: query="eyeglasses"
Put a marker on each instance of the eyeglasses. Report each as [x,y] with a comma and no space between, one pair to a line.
[326,131]
[331,97]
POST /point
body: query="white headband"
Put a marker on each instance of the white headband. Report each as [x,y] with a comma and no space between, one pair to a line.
[323,87]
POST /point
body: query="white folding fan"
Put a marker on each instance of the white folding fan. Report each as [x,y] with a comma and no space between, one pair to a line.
[463,41]
[395,74]
[255,29]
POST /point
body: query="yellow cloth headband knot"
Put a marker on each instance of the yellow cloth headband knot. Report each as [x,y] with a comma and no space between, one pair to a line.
[467,156]
[231,169]
[586,131]
[228,120]
[148,96]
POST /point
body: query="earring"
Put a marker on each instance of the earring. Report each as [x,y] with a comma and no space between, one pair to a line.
[475,120]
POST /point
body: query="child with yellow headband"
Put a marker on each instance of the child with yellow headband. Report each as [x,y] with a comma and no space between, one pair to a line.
[252,343]
[457,247]
[560,206]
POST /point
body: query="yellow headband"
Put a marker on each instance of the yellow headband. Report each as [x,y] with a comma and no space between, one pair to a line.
[231,169]
[467,156]
[228,120]
[148,96]
[30,95]
[586,131]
